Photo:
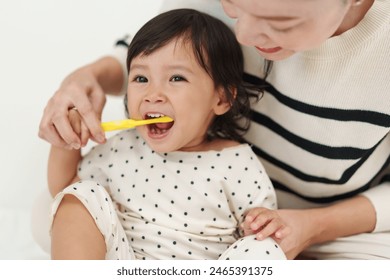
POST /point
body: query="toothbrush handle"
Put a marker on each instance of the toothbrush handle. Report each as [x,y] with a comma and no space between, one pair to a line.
[117,125]
[129,123]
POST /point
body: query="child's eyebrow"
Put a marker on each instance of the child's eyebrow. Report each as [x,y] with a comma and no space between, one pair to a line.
[138,66]
[171,67]
[180,67]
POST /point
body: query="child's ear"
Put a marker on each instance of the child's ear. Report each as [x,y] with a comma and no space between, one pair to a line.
[223,105]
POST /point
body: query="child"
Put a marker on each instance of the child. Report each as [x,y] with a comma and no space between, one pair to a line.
[175,190]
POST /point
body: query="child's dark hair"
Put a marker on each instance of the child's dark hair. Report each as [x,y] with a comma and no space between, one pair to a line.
[217,51]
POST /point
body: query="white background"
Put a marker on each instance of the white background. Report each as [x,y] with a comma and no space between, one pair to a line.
[42,41]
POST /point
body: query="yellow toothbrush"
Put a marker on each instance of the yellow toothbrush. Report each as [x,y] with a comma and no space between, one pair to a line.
[129,123]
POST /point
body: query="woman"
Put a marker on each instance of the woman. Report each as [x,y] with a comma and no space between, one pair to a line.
[321,129]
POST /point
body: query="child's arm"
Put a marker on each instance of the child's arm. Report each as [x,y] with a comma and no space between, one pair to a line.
[62,165]
[264,222]
[62,168]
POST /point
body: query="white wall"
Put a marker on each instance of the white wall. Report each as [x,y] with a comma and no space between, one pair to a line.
[41,41]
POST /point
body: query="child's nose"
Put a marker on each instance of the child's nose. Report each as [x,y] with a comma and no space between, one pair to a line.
[155,97]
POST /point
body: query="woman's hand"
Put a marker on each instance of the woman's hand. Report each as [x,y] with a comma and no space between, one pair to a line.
[264,222]
[294,230]
[85,90]
[318,225]
[303,229]
[79,90]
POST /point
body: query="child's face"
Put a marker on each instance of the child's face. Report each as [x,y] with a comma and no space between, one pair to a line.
[280,28]
[170,82]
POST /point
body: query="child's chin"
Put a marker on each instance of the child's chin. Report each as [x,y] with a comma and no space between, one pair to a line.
[162,151]
[160,148]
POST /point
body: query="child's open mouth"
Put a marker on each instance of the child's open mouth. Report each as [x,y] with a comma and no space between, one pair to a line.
[158,128]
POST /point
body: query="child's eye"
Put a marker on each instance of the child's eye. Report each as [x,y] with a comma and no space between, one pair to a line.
[140,79]
[177,78]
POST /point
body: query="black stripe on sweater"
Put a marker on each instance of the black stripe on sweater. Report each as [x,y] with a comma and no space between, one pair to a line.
[345,177]
[312,147]
[334,198]
[364,116]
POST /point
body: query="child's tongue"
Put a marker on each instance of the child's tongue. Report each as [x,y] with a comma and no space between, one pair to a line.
[163,126]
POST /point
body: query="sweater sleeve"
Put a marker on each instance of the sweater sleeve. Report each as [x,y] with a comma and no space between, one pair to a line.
[379,197]
[119,52]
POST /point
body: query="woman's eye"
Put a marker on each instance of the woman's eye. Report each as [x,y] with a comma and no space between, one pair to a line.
[177,79]
[288,29]
[140,79]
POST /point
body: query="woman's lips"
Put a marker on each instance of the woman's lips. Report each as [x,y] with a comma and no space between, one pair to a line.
[269,50]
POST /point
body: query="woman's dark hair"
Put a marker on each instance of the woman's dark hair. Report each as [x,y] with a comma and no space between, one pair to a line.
[217,51]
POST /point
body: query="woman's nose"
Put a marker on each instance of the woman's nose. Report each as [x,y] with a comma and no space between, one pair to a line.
[251,32]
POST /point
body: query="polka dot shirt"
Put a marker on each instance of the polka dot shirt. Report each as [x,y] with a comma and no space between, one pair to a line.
[183,205]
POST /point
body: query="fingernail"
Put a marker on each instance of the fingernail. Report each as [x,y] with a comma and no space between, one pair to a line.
[100,138]
[75,146]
